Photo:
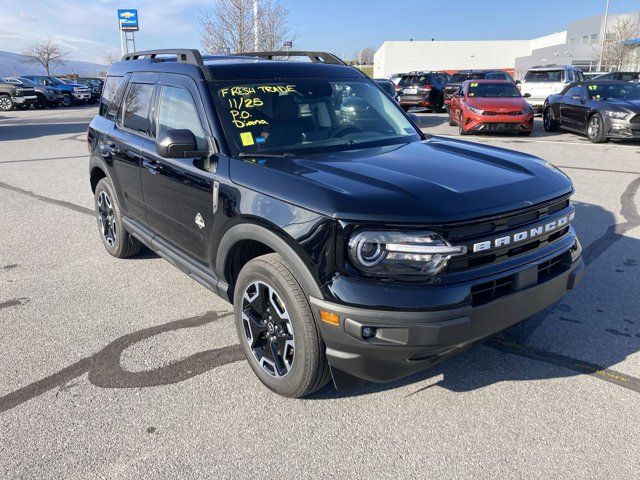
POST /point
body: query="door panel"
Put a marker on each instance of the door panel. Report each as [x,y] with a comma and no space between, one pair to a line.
[178,192]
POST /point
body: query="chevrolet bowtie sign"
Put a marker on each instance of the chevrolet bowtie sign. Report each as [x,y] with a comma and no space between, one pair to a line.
[128,19]
[531,232]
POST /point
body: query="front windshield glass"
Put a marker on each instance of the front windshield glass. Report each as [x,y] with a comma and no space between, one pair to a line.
[544,76]
[24,81]
[461,77]
[509,90]
[626,91]
[56,81]
[310,116]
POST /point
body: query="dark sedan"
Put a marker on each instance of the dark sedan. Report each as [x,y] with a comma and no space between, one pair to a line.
[601,110]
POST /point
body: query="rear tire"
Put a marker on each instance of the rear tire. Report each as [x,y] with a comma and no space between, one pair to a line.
[595,129]
[115,238]
[276,328]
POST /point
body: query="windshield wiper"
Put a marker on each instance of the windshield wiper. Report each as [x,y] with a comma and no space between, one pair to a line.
[264,155]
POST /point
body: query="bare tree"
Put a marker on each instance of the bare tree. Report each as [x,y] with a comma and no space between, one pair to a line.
[274,30]
[45,53]
[617,50]
[228,26]
[365,56]
[109,58]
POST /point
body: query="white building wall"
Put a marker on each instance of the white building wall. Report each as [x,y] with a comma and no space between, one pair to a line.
[398,57]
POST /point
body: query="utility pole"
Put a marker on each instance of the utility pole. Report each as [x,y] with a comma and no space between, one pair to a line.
[603,36]
[255,25]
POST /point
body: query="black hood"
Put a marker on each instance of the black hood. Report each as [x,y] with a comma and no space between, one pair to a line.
[432,181]
[633,105]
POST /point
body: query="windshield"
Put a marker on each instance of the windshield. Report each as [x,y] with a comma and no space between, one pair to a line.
[544,76]
[461,77]
[626,91]
[477,89]
[310,116]
[24,81]
[56,81]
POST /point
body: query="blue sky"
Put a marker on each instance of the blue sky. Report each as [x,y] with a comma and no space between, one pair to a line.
[88,28]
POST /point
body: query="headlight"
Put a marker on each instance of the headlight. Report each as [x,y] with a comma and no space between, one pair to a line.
[615,114]
[77,89]
[388,253]
[475,110]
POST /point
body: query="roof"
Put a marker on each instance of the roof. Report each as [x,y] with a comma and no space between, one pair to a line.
[230,67]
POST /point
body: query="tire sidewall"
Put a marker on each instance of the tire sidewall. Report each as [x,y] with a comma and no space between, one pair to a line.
[601,137]
[288,385]
[121,235]
[66,100]
[5,97]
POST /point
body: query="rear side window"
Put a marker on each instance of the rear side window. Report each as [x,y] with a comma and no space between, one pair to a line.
[177,110]
[135,108]
[496,76]
[544,76]
[109,97]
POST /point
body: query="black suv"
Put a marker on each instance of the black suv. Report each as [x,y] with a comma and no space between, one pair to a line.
[351,245]
[422,89]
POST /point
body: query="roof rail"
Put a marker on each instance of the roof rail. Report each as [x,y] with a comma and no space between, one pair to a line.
[183,55]
[316,57]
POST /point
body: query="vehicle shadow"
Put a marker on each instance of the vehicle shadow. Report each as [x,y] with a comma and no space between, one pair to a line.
[545,346]
[29,131]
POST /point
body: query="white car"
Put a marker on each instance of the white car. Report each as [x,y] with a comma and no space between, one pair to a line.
[540,82]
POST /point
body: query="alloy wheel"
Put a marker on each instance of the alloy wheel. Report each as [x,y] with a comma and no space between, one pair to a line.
[5,103]
[66,101]
[106,219]
[593,130]
[267,329]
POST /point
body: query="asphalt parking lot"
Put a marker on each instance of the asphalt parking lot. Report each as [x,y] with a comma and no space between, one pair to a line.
[130,369]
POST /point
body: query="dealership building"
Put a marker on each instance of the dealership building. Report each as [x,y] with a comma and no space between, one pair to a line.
[578,45]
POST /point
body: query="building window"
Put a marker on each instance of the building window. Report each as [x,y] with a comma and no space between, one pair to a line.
[572,41]
[610,37]
[594,37]
[584,39]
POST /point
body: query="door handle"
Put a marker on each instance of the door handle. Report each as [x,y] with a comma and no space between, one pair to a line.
[152,166]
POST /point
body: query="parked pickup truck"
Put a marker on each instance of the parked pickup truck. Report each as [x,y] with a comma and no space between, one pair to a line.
[16,96]
[352,246]
[47,96]
[70,93]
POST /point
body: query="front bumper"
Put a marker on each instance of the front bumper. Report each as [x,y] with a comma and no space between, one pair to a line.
[622,128]
[498,123]
[408,341]
[25,100]
[81,96]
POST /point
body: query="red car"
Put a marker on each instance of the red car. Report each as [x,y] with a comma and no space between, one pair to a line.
[490,106]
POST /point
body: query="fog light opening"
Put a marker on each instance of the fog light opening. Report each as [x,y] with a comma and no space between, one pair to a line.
[368,332]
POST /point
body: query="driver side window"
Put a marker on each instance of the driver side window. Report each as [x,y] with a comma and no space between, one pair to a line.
[177,110]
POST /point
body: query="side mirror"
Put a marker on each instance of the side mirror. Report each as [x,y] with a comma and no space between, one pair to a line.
[527,95]
[180,143]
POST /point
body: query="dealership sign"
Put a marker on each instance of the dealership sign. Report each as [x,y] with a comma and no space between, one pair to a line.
[128,19]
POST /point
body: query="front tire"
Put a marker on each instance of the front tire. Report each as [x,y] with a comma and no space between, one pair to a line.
[114,237]
[595,129]
[461,129]
[548,120]
[6,104]
[276,329]
[66,100]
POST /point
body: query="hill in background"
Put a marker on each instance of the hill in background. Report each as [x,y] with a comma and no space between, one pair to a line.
[12,64]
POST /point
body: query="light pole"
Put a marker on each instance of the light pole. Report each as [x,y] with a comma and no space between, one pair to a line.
[603,37]
[255,25]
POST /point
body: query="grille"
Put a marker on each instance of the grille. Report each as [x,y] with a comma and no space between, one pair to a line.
[489,228]
[500,127]
[512,114]
[552,267]
[488,291]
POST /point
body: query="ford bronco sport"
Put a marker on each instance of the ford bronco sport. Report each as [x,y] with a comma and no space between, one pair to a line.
[352,246]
